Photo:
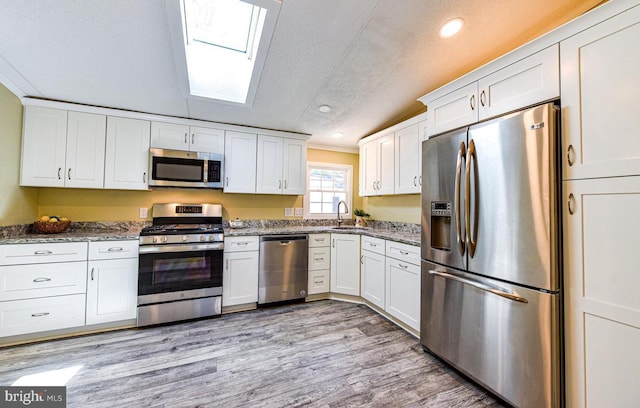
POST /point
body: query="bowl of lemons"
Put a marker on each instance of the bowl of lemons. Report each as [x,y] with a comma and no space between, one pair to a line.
[51,224]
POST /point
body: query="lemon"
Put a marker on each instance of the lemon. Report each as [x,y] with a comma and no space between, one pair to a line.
[64,219]
[44,218]
[53,220]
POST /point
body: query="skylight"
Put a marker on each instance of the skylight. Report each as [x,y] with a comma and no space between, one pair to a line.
[222,40]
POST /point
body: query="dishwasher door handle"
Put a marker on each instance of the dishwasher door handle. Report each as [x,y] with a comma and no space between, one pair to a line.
[285,242]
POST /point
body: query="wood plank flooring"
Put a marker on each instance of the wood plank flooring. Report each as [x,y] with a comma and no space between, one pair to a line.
[318,354]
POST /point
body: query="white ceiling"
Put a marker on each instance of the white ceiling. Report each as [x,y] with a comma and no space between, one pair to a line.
[367,59]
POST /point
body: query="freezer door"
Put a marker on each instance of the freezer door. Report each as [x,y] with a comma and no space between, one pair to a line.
[443,178]
[486,329]
[512,232]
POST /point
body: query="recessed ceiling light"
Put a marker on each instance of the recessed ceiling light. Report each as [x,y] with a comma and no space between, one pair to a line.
[451,27]
[324,108]
[337,135]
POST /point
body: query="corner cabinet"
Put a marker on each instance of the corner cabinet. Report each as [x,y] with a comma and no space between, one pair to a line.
[240,162]
[345,264]
[127,154]
[372,263]
[281,165]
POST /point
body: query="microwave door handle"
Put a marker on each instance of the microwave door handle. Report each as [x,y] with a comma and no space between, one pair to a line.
[460,239]
[471,235]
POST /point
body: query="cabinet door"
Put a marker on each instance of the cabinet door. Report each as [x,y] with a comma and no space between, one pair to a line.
[454,110]
[44,140]
[373,277]
[602,306]
[345,264]
[369,168]
[269,165]
[386,166]
[240,162]
[407,160]
[529,81]
[294,167]
[403,292]
[112,290]
[240,278]
[600,69]
[170,136]
[85,150]
[127,155]
[207,140]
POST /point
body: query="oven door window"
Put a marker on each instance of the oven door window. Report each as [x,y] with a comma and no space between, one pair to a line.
[172,169]
[176,271]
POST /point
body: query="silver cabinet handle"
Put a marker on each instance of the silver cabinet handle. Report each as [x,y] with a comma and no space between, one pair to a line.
[415,179]
[227,266]
[403,266]
[319,239]
[243,243]
[193,138]
[505,293]
[115,249]
[59,170]
[318,259]
[483,98]
[92,270]
[41,314]
[571,204]
[361,259]
[420,180]
[227,181]
[37,280]
[69,173]
[372,244]
[43,252]
[404,252]
[279,184]
[144,177]
[185,137]
[333,244]
[472,102]
[460,239]
[285,184]
[471,236]
[571,155]
[374,185]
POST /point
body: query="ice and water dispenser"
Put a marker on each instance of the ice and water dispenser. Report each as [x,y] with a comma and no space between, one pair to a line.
[441,225]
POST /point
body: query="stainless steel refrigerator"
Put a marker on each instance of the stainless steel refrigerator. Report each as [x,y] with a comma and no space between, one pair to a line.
[491,298]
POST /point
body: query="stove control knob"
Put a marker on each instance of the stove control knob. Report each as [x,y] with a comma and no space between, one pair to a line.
[202,238]
[165,239]
[211,237]
[155,240]
[184,238]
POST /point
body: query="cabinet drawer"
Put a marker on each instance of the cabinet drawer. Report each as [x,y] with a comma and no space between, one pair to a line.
[403,252]
[36,315]
[42,253]
[373,245]
[318,281]
[319,258]
[113,249]
[319,240]
[236,244]
[36,281]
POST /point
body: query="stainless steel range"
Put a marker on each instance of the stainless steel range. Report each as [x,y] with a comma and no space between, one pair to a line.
[180,264]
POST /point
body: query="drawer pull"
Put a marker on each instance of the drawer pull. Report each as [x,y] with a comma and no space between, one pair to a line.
[43,252]
[402,266]
[92,270]
[319,282]
[42,279]
[318,259]
[404,252]
[372,244]
[319,239]
[41,314]
[244,243]
[115,249]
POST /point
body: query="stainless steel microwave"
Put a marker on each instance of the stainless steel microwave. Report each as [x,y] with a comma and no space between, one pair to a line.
[177,168]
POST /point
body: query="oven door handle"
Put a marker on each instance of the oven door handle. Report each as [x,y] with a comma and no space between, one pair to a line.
[154,249]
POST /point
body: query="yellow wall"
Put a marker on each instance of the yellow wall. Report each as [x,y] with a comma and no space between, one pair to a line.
[398,208]
[18,205]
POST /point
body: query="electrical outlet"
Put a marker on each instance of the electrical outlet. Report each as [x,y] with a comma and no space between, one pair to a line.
[298,211]
[288,212]
[144,212]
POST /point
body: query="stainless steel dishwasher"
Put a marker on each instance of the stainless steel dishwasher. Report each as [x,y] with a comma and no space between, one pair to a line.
[283,268]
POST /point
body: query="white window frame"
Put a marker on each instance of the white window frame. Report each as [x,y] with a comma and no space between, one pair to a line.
[348,188]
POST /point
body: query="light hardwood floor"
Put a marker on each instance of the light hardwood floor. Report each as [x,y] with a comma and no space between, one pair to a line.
[318,354]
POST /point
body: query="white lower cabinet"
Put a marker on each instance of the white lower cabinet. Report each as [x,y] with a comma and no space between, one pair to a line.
[240,274]
[372,272]
[41,314]
[402,299]
[345,264]
[112,281]
[319,264]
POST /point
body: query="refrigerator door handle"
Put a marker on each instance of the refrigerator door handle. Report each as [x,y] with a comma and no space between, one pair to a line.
[505,293]
[460,239]
[471,236]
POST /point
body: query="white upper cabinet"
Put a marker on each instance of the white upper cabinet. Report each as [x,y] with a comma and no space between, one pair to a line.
[377,166]
[62,149]
[281,165]
[189,138]
[407,160]
[240,162]
[127,154]
[456,109]
[600,79]
[527,82]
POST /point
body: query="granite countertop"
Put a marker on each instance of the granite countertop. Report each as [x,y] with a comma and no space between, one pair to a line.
[114,231]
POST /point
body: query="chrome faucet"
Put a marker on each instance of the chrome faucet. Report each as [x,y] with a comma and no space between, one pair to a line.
[346,210]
